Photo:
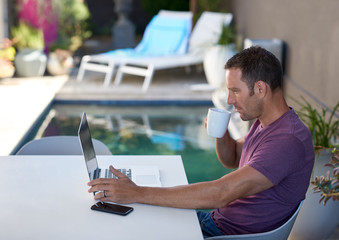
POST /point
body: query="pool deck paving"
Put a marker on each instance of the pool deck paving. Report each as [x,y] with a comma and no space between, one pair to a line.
[169,85]
[23,100]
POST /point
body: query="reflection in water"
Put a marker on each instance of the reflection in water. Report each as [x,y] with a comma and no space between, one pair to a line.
[145,131]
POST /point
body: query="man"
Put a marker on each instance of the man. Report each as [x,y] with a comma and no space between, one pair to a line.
[274,159]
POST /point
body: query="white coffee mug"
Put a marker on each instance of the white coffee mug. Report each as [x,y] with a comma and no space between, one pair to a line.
[217,122]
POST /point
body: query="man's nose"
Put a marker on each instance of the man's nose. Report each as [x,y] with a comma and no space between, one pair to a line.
[230,99]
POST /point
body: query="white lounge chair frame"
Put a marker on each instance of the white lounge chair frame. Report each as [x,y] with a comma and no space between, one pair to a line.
[204,35]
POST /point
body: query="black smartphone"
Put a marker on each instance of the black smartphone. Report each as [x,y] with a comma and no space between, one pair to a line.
[112,208]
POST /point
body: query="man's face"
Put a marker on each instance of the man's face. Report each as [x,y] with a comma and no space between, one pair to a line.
[248,106]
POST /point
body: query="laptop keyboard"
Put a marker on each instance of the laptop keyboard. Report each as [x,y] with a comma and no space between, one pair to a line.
[127,172]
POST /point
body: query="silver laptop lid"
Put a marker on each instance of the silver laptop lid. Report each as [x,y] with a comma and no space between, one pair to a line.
[87,147]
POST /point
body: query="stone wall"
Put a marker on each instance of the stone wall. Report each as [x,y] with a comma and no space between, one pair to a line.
[310,29]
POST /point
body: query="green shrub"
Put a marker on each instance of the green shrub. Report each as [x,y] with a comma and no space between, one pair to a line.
[27,36]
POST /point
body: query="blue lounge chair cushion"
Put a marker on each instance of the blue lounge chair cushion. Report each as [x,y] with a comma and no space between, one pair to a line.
[163,36]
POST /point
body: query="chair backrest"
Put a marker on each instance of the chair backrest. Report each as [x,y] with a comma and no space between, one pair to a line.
[60,145]
[176,14]
[207,30]
[167,34]
[280,233]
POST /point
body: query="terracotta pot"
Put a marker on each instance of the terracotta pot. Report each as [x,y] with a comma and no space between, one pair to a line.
[60,62]
[6,68]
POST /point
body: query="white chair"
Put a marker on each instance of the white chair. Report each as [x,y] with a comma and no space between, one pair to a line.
[166,34]
[60,145]
[205,34]
[280,233]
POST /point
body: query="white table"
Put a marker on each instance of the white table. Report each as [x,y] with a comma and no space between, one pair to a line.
[45,197]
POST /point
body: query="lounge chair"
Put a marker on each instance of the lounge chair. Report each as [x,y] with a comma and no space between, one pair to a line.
[205,34]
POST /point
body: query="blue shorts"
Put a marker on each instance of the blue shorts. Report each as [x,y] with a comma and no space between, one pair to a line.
[208,227]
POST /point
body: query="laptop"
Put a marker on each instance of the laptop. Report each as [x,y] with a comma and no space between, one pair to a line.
[140,175]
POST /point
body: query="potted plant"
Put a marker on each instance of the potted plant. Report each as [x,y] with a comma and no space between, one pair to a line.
[72,30]
[315,220]
[216,57]
[60,57]
[328,186]
[7,54]
[30,60]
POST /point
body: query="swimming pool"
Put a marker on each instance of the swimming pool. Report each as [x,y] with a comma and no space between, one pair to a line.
[143,130]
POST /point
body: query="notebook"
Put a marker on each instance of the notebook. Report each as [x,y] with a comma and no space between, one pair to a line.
[140,175]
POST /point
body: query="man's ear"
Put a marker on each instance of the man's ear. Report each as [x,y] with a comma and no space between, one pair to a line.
[261,88]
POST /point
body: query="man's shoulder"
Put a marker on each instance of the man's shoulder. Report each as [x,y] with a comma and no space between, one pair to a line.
[288,128]
[287,131]
[296,127]
[291,124]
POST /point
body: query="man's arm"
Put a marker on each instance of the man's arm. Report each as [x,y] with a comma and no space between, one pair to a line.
[205,195]
[229,150]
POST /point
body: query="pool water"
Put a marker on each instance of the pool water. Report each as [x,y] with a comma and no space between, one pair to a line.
[154,130]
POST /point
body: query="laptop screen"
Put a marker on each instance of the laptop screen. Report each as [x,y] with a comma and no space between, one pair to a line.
[87,146]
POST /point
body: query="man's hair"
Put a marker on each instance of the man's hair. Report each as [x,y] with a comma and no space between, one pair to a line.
[256,63]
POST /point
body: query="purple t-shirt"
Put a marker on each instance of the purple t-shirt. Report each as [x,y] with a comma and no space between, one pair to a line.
[283,152]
